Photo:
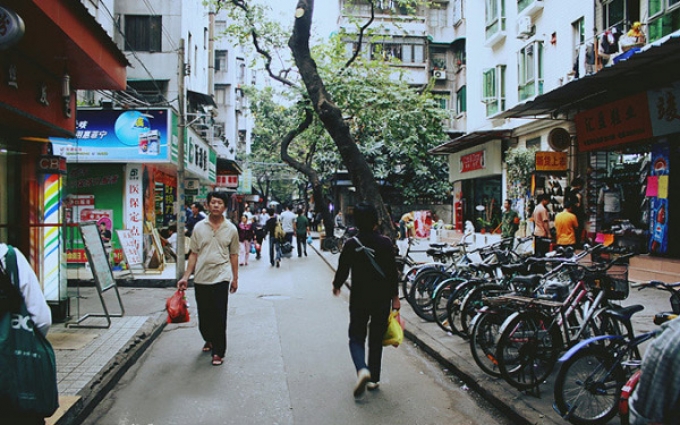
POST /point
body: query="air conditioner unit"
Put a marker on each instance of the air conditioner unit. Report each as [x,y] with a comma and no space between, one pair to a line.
[438,74]
[524,27]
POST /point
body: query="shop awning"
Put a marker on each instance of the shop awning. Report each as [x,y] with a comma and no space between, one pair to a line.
[200,98]
[62,36]
[655,65]
[469,140]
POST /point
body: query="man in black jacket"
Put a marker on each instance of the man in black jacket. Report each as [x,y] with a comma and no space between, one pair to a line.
[371,259]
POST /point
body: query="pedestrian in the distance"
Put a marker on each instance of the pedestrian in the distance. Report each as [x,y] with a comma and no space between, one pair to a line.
[566,226]
[370,258]
[214,263]
[287,222]
[301,225]
[246,234]
[509,221]
[541,219]
[260,232]
[274,242]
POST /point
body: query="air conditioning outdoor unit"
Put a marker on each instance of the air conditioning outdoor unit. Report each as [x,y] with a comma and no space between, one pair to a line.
[439,74]
[524,27]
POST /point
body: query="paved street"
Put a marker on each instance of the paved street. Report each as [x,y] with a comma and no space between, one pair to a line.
[287,363]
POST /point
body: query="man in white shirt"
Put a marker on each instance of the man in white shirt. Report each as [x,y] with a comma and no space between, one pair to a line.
[287,220]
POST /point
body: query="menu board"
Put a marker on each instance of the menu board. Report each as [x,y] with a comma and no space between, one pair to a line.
[130,249]
[97,256]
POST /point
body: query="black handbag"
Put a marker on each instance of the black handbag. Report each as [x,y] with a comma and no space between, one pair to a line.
[28,376]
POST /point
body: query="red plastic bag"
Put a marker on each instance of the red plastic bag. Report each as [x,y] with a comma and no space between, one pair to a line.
[177,307]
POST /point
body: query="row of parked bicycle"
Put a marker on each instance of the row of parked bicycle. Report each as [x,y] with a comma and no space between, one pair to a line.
[523,315]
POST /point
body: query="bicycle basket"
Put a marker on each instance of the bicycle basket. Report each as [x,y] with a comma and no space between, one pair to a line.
[613,281]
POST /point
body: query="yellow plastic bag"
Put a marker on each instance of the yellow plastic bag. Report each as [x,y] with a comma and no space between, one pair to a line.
[395,330]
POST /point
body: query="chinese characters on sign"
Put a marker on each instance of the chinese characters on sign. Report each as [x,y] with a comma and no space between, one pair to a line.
[227,180]
[551,161]
[473,161]
[133,208]
[615,123]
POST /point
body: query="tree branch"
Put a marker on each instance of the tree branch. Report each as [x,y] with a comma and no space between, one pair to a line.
[361,38]
[241,4]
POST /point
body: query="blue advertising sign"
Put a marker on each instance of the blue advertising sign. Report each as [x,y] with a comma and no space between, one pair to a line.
[114,135]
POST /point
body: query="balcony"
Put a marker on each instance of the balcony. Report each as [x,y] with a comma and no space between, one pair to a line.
[529,7]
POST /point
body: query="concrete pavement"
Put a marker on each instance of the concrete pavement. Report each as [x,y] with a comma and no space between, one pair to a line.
[91,361]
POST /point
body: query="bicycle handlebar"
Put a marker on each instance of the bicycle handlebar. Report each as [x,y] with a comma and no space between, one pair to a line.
[659,285]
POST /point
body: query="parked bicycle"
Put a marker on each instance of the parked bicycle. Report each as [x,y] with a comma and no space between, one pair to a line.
[334,243]
[592,374]
[531,340]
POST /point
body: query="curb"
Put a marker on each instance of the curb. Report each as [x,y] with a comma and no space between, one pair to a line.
[110,375]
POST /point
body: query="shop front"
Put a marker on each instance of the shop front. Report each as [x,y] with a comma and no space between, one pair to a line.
[631,146]
[123,175]
[48,50]
[478,190]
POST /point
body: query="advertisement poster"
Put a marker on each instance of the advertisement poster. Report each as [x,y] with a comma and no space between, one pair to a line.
[93,194]
[658,223]
[115,135]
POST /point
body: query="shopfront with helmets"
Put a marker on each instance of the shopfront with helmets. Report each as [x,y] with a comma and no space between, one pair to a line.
[122,174]
[634,143]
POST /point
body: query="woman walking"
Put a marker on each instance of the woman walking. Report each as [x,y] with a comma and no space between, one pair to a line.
[246,234]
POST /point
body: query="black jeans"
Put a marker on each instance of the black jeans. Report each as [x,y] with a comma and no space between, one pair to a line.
[212,302]
[359,327]
[301,244]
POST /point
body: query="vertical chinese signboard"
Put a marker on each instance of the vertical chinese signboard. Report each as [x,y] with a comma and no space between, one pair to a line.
[134,221]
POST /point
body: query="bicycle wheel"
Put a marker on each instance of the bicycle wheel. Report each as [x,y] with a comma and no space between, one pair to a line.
[440,302]
[484,330]
[331,245]
[527,349]
[420,295]
[473,301]
[588,387]
[453,304]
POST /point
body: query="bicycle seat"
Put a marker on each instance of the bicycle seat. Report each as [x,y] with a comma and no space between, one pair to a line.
[450,251]
[437,245]
[625,313]
[486,268]
[528,281]
[512,269]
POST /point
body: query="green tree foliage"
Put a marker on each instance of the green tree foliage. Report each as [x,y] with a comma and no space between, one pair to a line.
[521,163]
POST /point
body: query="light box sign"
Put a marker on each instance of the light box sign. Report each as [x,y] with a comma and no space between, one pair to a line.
[115,135]
[551,161]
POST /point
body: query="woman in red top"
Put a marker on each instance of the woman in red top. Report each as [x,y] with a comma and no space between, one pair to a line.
[246,234]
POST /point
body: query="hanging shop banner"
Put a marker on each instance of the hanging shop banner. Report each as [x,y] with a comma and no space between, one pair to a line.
[616,123]
[108,135]
[551,161]
[663,106]
[658,223]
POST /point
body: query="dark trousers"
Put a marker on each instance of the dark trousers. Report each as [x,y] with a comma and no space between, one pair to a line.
[274,250]
[212,302]
[371,320]
[541,246]
[301,244]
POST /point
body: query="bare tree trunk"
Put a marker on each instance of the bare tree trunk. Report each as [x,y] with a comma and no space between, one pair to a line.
[331,117]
